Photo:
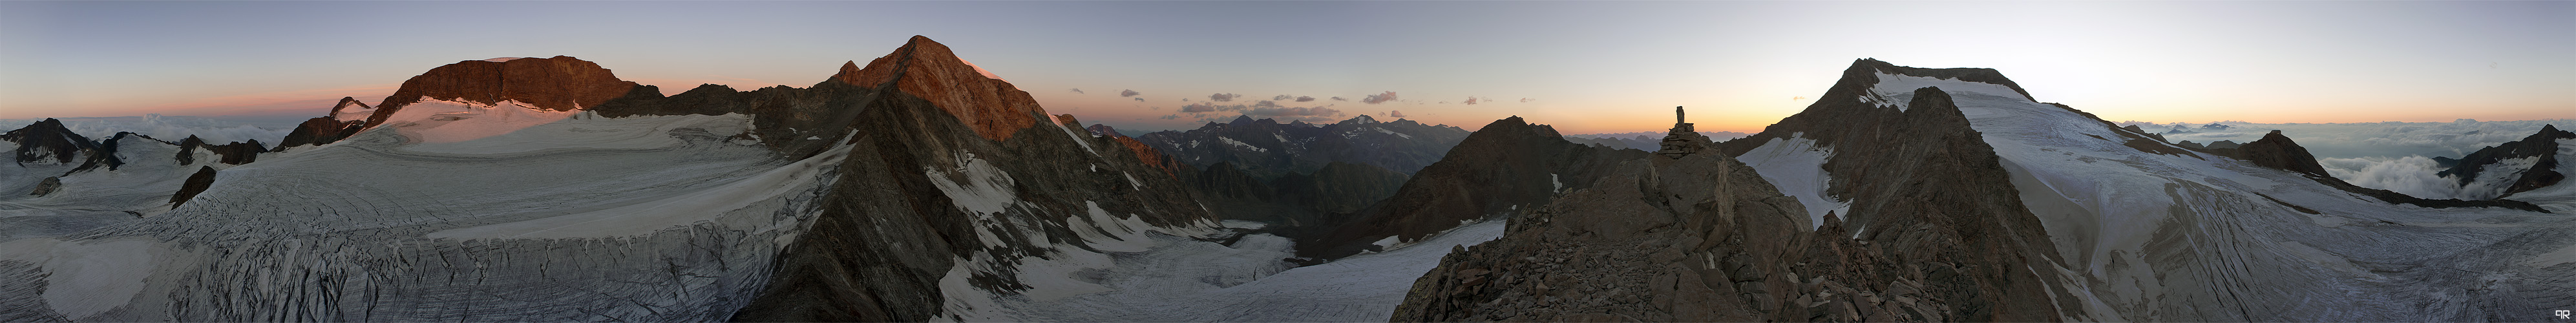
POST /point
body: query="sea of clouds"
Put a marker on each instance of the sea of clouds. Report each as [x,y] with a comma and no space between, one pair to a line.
[2395,156]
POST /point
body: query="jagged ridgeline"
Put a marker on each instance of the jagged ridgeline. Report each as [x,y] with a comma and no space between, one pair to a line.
[1912,194]
[546,189]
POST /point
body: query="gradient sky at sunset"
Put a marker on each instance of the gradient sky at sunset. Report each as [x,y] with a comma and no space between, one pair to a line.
[1583,66]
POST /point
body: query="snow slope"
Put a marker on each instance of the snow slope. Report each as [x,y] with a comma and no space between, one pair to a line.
[1178,279]
[1797,167]
[2204,238]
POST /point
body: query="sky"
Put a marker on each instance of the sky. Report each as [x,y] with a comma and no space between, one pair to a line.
[1584,67]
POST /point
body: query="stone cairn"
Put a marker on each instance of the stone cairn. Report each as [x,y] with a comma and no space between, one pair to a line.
[1683,140]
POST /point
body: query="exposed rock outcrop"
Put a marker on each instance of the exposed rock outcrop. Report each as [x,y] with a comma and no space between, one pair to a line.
[1936,231]
[197,183]
[947,170]
[235,153]
[48,141]
[2275,151]
[2541,146]
[560,83]
[47,186]
[1507,167]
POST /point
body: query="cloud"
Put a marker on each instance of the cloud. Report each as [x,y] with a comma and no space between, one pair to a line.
[1379,98]
[1078,91]
[1224,97]
[1471,100]
[2412,175]
[1140,99]
[1128,93]
[1169,117]
[1393,113]
[1278,112]
[1527,100]
[1340,99]
[1305,98]
[1198,108]
[1283,97]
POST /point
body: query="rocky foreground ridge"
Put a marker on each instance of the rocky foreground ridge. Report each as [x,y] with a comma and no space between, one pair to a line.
[1909,194]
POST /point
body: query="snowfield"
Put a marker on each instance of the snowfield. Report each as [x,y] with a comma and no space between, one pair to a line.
[1180,279]
[2153,237]
[1797,167]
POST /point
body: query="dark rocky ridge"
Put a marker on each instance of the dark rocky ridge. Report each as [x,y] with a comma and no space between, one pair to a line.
[235,153]
[2543,173]
[887,235]
[48,139]
[1942,234]
[2275,151]
[1307,148]
[1507,167]
[2278,151]
[327,128]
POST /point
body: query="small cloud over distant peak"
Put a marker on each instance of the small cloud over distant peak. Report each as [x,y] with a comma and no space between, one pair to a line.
[1078,91]
[1527,100]
[1128,93]
[1283,97]
[1169,117]
[1305,98]
[1198,108]
[1224,97]
[1394,113]
[1340,99]
[1379,98]
[1140,99]
[1471,100]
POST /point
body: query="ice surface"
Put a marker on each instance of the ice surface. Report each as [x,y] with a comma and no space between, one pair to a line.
[2153,237]
[1797,166]
[342,232]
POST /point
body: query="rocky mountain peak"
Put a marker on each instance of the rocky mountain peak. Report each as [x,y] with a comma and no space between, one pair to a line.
[2278,151]
[47,139]
[927,69]
[2541,146]
[560,83]
[1362,119]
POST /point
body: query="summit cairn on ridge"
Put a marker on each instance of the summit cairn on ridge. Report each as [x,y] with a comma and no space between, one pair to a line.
[1683,140]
